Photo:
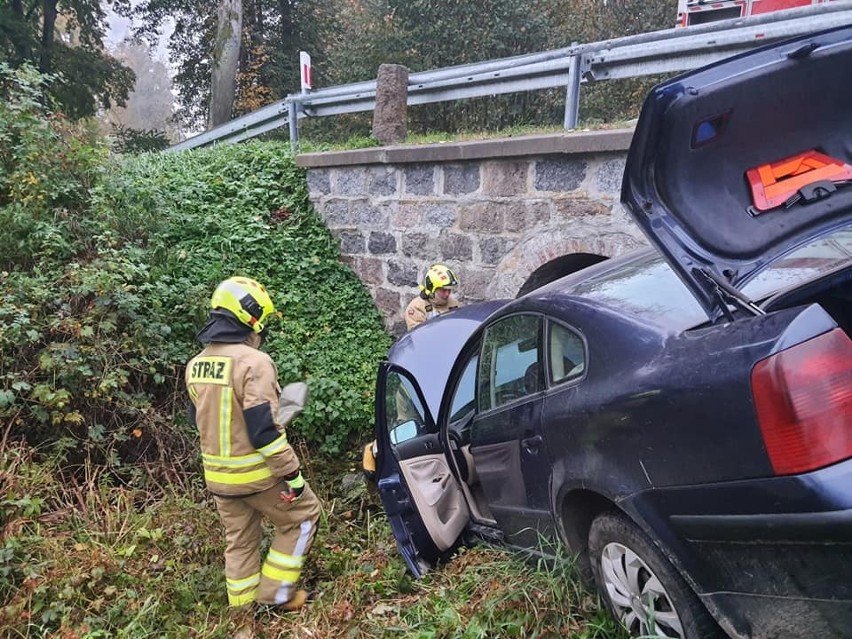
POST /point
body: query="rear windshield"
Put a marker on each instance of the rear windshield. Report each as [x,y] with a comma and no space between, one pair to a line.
[821,256]
[647,288]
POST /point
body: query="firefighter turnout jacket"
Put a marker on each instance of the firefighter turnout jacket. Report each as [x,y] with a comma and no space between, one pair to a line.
[248,464]
[234,397]
[421,309]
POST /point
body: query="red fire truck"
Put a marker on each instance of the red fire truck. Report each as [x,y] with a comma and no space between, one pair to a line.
[690,12]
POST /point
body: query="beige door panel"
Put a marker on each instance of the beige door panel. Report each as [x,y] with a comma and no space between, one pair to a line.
[437,498]
[473,493]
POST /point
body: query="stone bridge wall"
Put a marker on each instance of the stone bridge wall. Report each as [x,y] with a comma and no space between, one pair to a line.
[494,211]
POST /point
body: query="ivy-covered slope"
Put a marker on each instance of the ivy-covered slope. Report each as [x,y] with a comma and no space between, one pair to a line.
[244,209]
[101,294]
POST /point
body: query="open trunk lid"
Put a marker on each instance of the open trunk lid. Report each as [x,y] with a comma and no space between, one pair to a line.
[740,162]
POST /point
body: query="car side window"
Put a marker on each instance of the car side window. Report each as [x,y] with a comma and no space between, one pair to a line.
[510,361]
[567,354]
[464,397]
[404,414]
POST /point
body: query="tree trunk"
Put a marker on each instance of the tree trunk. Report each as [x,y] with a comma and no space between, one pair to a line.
[20,40]
[226,55]
[47,35]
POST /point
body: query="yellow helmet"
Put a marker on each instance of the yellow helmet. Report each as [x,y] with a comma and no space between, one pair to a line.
[247,299]
[438,276]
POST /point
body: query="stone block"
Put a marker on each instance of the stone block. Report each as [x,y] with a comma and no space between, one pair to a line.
[420,179]
[504,178]
[461,179]
[389,302]
[383,181]
[438,215]
[608,177]
[351,181]
[420,246]
[369,270]
[579,208]
[402,273]
[455,246]
[381,243]
[351,241]
[559,174]
[483,217]
[475,284]
[369,216]
[407,215]
[397,328]
[335,212]
[493,249]
[319,182]
[526,215]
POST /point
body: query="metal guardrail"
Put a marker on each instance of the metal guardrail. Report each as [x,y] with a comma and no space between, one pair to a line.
[667,51]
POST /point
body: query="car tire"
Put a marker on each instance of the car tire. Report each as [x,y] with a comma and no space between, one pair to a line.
[633,576]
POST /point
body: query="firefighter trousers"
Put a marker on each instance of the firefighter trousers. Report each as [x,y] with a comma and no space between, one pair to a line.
[295,525]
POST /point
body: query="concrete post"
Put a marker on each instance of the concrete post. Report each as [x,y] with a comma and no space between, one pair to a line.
[390,117]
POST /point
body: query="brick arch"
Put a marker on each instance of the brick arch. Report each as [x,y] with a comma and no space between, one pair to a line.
[540,249]
[558,267]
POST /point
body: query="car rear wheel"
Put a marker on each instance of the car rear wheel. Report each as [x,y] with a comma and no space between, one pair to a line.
[639,585]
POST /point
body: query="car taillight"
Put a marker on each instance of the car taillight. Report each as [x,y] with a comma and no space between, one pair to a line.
[803,397]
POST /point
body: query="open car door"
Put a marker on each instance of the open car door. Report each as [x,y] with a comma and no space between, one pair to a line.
[421,496]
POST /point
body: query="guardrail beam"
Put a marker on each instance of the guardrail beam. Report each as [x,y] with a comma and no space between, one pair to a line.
[668,51]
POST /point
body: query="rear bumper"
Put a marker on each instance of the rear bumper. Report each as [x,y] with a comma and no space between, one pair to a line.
[770,557]
[773,583]
[758,617]
[808,528]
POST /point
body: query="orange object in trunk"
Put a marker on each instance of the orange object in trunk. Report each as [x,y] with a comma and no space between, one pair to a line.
[774,184]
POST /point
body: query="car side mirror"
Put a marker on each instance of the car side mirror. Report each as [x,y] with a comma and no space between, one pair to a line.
[403,432]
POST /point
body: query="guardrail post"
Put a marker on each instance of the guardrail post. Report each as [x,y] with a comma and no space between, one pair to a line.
[572,94]
[293,120]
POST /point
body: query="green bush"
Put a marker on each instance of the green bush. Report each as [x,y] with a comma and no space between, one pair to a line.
[129,140]
[104,283]
[47,165]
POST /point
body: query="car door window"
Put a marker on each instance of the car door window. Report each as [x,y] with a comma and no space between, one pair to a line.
[567,354]
[464,397]
[404,412]
[510,361]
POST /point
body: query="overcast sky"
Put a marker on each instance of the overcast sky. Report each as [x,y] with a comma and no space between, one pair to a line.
[119,28]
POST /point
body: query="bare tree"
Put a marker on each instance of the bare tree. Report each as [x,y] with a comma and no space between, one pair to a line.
[226,55]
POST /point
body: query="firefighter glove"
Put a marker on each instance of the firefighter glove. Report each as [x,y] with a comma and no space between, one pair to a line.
[295,486]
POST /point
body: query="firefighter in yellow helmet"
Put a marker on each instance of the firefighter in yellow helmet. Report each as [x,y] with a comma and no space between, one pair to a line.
[252,471]
[435,296]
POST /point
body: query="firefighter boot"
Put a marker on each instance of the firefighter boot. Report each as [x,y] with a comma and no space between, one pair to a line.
[299,598]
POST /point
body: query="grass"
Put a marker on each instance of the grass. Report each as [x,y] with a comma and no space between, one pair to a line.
[364,142]
[106,561]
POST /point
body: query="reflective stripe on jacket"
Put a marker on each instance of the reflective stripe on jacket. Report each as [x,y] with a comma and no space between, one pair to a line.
[234,393]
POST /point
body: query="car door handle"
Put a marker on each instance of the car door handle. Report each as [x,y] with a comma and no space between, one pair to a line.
[442,480]
[531,444]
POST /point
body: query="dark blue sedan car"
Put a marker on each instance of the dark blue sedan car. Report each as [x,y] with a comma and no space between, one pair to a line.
[680,418]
